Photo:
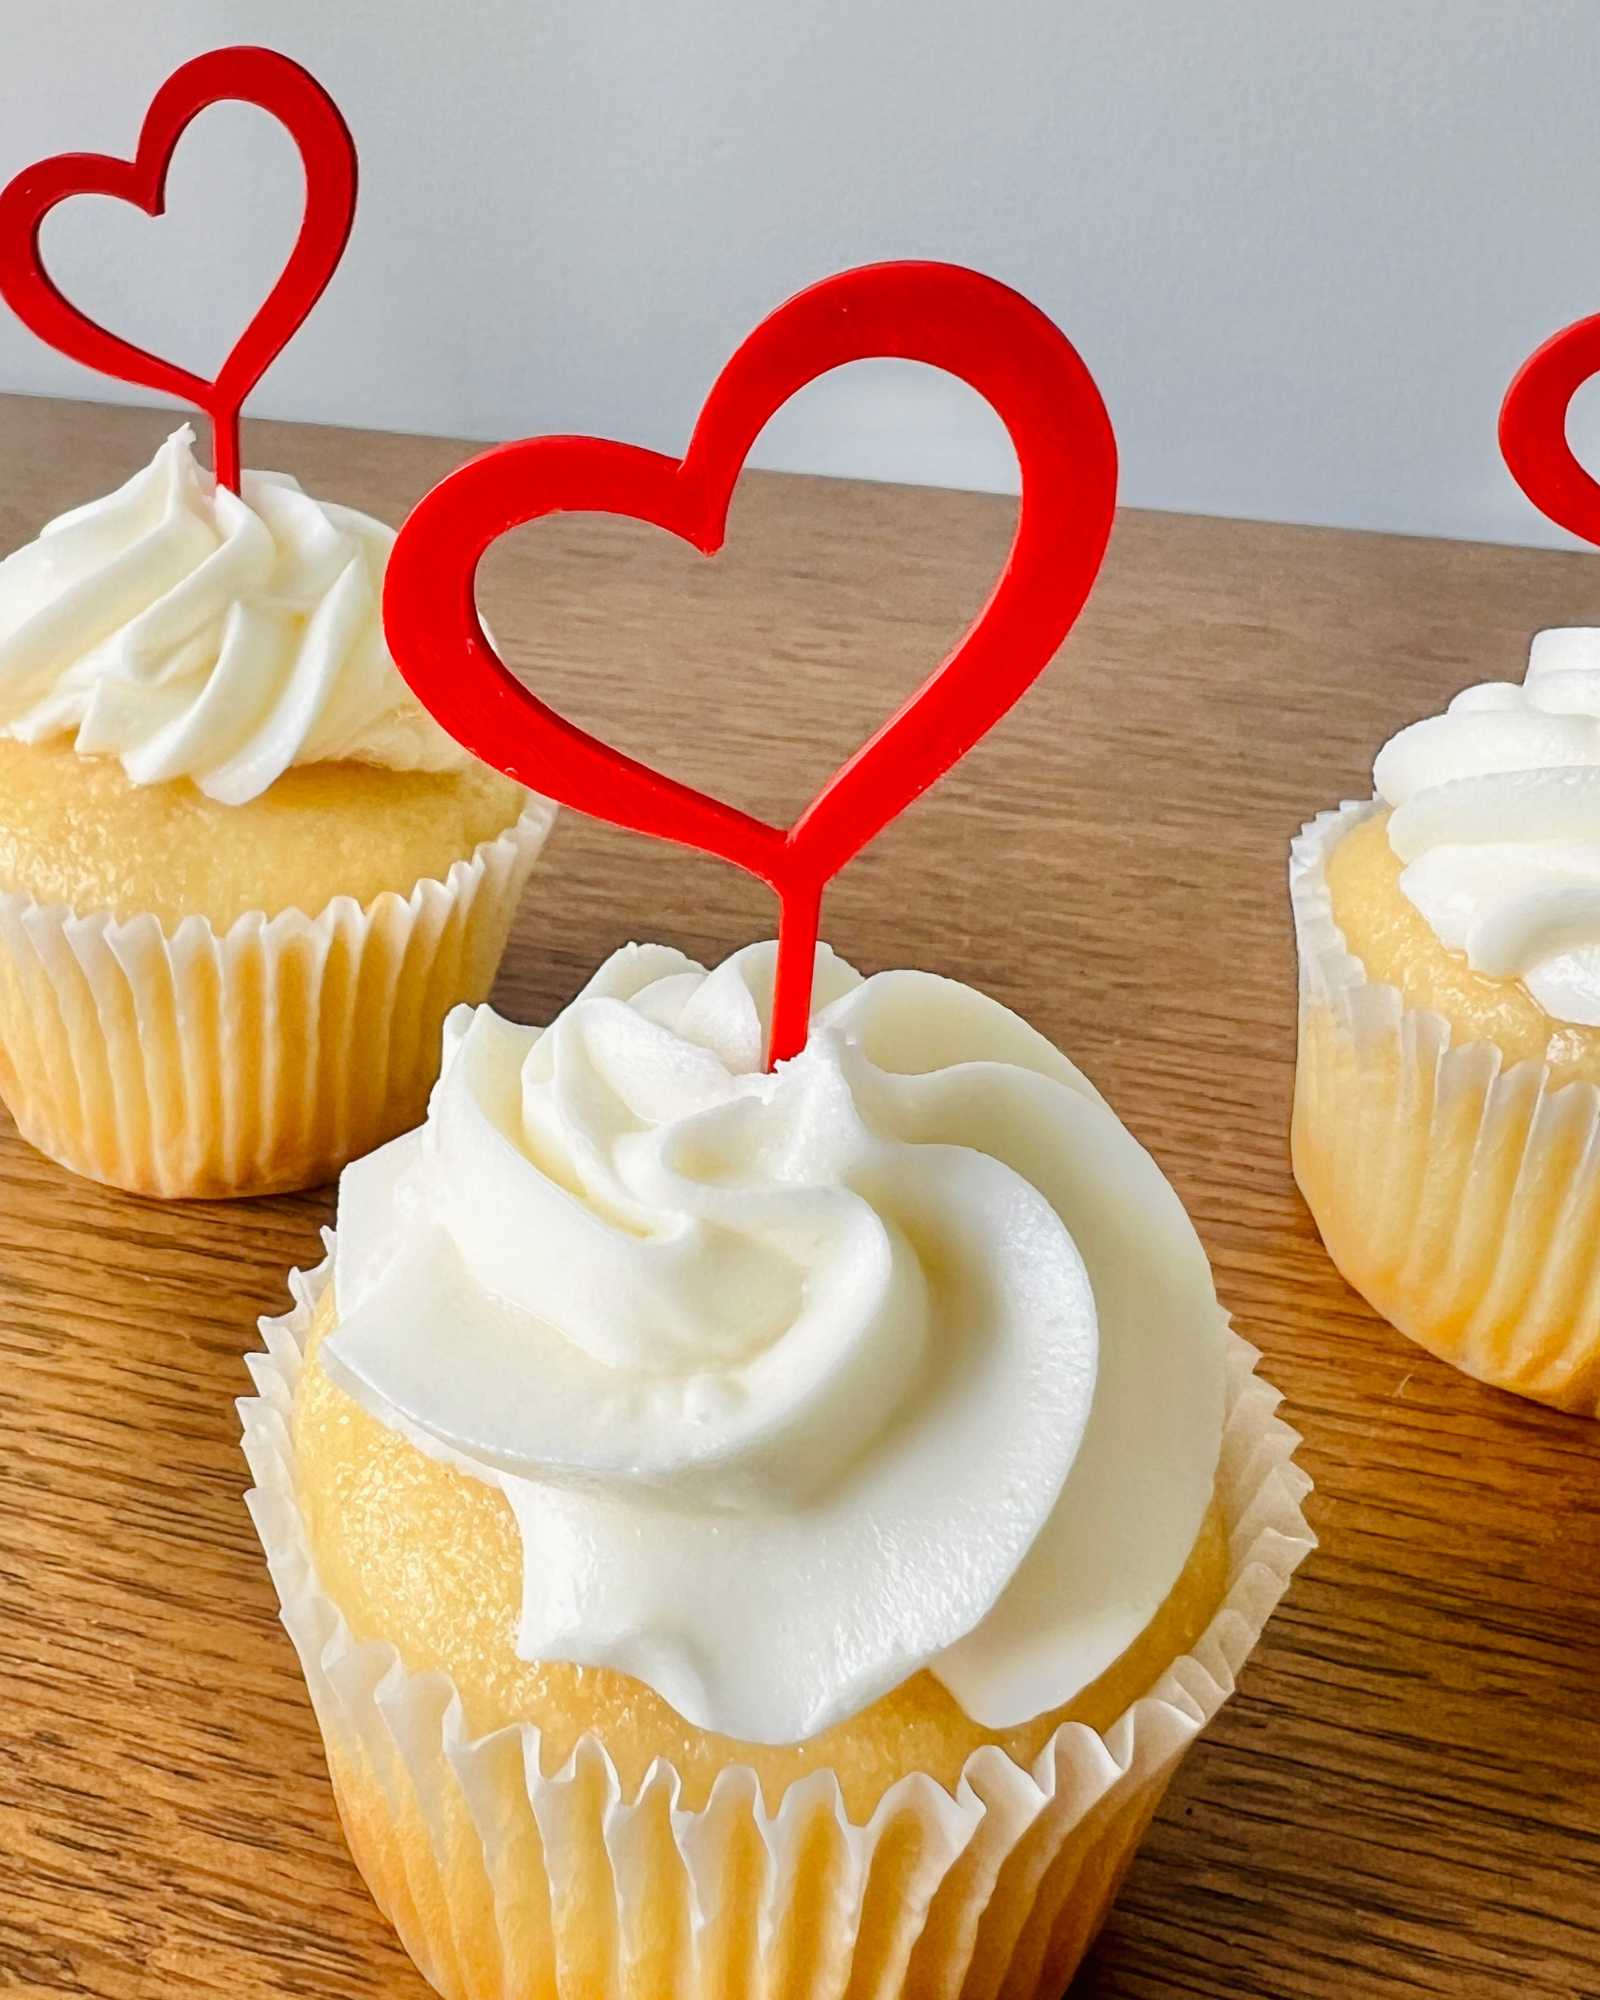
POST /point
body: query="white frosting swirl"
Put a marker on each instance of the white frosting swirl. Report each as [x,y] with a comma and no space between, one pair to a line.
[197,633]
[903,1355]
[1497,818]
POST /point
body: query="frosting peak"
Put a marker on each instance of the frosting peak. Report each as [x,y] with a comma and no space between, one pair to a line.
[789,1379]
[1496,814]
[196,633]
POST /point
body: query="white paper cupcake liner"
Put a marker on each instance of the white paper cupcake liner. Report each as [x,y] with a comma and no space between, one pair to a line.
[1459,1195]
[505,1882]
[252,1061]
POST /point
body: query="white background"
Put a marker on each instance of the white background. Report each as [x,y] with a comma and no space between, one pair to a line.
[1302,246]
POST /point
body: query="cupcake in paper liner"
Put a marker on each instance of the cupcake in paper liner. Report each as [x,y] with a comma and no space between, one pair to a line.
[243,875]
[762,1533]
[1447,1096]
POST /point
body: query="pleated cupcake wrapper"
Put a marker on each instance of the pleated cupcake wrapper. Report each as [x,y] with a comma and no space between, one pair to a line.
[256,1060]
[1460,1196]
[505,1882]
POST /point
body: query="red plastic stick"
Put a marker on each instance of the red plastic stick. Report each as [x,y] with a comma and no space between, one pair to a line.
[954,319]
[254,76]
[1533,428]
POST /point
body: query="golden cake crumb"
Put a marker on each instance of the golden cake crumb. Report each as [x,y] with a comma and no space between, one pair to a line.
[1396,945]
[77,830]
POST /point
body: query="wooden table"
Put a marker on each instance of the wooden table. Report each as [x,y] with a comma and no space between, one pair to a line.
[1404,1797]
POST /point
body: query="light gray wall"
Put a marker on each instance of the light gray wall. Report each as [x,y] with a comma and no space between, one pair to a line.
[1302,246]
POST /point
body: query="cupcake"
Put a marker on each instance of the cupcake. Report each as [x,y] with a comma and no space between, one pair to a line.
[1445,1114]
[757,1532]
[243,875]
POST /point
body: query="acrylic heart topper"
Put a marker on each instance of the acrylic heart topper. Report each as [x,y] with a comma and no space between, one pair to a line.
[1533,428]
[253,76]
[950,318]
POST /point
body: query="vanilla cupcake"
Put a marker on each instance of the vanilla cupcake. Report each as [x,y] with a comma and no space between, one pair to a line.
[243,875]
[1447,1117]
[755,1532]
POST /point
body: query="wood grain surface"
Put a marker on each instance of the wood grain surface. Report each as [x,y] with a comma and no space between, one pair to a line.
[1404,1797]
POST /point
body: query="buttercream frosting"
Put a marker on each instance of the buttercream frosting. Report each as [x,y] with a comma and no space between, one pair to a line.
[196,633]
[1496,815]
[905,1355]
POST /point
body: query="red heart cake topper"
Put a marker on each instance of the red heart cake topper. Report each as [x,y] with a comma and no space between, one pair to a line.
[1533,428]
[254,76]
[951,318]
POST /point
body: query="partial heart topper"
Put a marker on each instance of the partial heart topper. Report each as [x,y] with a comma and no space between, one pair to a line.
[1533,428]
[253,76]
[952,319]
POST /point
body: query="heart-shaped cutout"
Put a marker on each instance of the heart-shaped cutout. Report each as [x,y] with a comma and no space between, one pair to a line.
[980,331]
[1533,428]
[253,76]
